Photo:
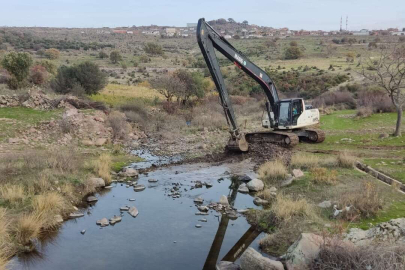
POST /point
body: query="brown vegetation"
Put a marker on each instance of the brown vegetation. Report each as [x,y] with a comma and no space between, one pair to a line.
[102,167]
[304,160]
[323,176]
[272,171]
[345,160]
[285,208]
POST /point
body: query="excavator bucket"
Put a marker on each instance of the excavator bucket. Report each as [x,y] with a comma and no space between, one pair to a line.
[238,144]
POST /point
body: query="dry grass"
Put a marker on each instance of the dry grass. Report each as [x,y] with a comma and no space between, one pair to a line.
[304,161]
[266,194]
[272,171]
[27,228]
[377,257]
[324,176]
[46,206]
[12,194]
[365,202]
[120,128]
[4,239]
[345,160]
[102,167]
[286,208]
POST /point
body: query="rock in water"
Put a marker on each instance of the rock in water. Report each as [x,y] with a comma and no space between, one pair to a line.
[103,222]
[255,185]
[198,200]
[259,201]
[198,184]
[245,178]
[300,254]
[76,215]
[133,211]
[152,180]
[91,199]
[115,219]
[253,260]
[124,208]
[203,208]
[227,266]
[83,232]
[198,226]
[138,188]
[128,172]
[224,200]
[58,219]
[97,182]
[297,173]
[243,188]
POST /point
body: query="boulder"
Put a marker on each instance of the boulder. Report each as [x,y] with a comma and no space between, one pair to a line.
[255,185]
[198,184]
[297,173]
[151,180]
[259,201]
[300,254]
[133,211]
[224,200]
[203,208]
[253,260]
[198,200]
[87,142]
[227,266]
[115,219]
[138,188]
[100,141]
[76,215]
[103,222]
[97,182]
[91,199]
[287,181]
[245,178]
[129,172]
[325,204]
[243,188]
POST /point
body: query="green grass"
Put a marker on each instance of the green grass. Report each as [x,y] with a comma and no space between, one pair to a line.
[122,160]
[392,167]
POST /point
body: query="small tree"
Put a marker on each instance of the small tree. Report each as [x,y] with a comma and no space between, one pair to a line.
[388,72]
[38,75]
[168,86]
[293,43]
[153,48]
[293,52]
[102,55]
[52,53]
[230,20]
[18,65]
[194,85]
[245,22]
[115,57]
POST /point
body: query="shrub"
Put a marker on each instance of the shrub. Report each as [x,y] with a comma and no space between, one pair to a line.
[12,194]
[345,160]
[293,52]
[153,48]
[47,205]
[27,228]
[364,112]
[266,194]
[170,107]
[102,167]
[323,176]
[136,112]
[102,55]
[49,66]
[286,208]
[119,125]
[38,75]
[88,75]
[52,53]
[272,171]
[375,98]
[18,65]
[304,161]
[335,98]
[115,57]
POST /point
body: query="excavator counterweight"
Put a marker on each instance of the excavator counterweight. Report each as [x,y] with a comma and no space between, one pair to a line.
[288,118]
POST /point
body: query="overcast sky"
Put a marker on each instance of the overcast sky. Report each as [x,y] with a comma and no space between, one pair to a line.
[294,14]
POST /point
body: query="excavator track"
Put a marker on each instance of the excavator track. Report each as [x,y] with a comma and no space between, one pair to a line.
[285,139]
[315,135]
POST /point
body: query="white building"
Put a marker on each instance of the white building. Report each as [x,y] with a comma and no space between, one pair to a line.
[362,32]
[399,33]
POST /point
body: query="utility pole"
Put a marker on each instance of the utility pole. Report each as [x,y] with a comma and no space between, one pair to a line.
[340,23]
[347,21]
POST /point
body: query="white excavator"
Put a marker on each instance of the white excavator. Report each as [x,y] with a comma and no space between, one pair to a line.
[289,119]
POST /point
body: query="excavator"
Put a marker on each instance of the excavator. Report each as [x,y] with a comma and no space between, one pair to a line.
[290,120]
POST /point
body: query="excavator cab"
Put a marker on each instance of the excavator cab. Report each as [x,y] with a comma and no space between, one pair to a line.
[289,112]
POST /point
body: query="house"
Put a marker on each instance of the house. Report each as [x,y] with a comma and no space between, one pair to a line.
[398,33]
[362,32]
[120,31]
[130,32]
[170,32]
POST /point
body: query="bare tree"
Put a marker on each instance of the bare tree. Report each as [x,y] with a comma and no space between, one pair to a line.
[169,86]
[388,71]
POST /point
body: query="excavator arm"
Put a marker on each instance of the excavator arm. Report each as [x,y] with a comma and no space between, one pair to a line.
[208,40]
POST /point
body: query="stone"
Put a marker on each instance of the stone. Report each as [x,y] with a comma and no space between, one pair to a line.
[259,201]
[87,142]
[103,222]
[108,187]
[242,211]
[198,200]
[133,211]
[198,184]
[58,219]
[232,214]
[138,188]
[201,213]
[198,226]
[13,140]
[131,200]
[151,180]
[273,189]
[227,266]
[255,185]
[297,173]
[91,199]
[115,219]
[203,220]
[287,181]
[124,208]
[243,188]
[245,178]
[224,200]
[383,136]
[253,260]
[325,204]
[97,182]
[100,141]
[129,172]
[83,232]
[208,184]
[300,254]
[203,208]
[76,215]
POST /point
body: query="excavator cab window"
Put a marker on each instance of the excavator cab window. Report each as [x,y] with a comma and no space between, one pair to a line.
[296,110]
[284,118]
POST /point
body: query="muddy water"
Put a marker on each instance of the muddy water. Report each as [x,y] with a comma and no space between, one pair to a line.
[162,236]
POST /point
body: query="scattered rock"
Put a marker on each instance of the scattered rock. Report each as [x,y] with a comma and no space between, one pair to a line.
[203,208]
[100,141]
[133,211]
[129,172]
[83,232]
[108,187]
[198,200]
[76,215]
[115,219]
[224,200]
[243,188]
[287,181]
[325,204]
[13,140]
[198,184]
[103,222]
[201,213]
[58,219]
[198,226]
[138,188]
[97,182]
[203,220]
[300,254]
[91,199]
[259,201]
[253,260]
[208,184]
[255,185]
[232,214]
[273,189]
[151,180]
[124,208]
[245,178]
[297,173]
[131,200]
[227,266]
